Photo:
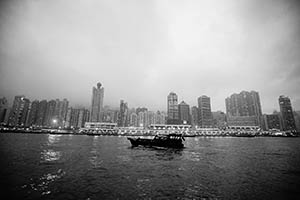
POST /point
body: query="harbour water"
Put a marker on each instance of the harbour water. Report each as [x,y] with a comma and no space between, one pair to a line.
[45,166]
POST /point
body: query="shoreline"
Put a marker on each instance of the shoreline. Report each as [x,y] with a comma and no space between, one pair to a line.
[135,135]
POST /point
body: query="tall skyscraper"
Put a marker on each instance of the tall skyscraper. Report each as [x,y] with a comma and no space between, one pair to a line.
[18,114]
[50,114]
[297,120]
[271,121]
[204,109]
[141,110]
[286,112]
[60,111]
[32,117]
[123,114]
[173,115]
[97,103]
[3,108]
[184,113]
[133,119]
[194,116]
[219,119]
[141,119]
[243,105]
[41,113]
[63,111]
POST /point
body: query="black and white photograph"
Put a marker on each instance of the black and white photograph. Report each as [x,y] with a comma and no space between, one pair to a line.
[149,99]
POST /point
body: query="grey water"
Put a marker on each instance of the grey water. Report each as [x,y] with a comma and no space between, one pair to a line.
[45,166]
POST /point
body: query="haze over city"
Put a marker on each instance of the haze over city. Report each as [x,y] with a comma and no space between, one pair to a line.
[142,50]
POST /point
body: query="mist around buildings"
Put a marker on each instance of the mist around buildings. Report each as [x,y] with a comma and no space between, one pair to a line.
[243,115]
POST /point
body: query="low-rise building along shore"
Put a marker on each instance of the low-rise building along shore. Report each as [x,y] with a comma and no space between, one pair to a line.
[101,128]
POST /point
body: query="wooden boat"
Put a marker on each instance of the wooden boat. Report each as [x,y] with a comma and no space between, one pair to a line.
[171,140]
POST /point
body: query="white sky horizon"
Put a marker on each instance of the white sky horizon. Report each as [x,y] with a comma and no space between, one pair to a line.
[142,50]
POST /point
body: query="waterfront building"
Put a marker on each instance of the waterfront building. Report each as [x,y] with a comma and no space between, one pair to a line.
[171,127]
[6,115]
[97,103]
[219,119]
[50,114]
[141,119]
[68,118]
[83,117]
[32,117]
[123,114]
[161,119]
[41,113]
[74,118]
[3,109]
[19,111]
[297,120]
[133,119]
[241,121]
[60,111]
[147,118]
[244,104]
[143,109]
[110,115]
[184,113]
[115,116]
[286,112]
[271,121]
[158,118]
[194,116]
[204,111]
[95,126]
[173,115]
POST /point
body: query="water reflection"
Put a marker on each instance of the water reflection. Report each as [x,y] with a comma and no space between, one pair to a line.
[158,153]
[49,155]
[42,184]
[53,139]
[94,158]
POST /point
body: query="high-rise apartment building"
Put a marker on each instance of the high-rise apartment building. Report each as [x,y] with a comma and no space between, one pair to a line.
[204,111]
[194,116]
[184,113]
[219,119]
[32,117]
[18,114]
[141,119]
[133,119]
[245,104]
[97,103]
[173,115]
[123,114]
[50,118]
[3,109]
[83,116]
[60,111]
[271,121]
[297,120]
[286,112]
[41,113]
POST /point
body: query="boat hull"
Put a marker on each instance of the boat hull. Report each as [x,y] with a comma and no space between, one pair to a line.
[155,143]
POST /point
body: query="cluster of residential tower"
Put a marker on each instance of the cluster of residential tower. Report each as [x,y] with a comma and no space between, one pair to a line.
[243,109]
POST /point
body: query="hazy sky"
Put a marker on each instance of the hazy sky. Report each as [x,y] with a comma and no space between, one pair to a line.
[141,50]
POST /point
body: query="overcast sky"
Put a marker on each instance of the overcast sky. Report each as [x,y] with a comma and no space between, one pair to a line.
[141,50]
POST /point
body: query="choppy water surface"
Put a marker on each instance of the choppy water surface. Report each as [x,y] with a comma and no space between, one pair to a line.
[105,167]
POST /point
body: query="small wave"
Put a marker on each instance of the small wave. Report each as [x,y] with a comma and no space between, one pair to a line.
[42,184]
[50,155]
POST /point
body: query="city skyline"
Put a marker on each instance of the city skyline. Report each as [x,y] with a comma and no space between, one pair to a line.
[142,51]
[116,107]
[243,109]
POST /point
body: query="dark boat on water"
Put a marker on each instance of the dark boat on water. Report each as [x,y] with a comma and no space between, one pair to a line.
[170,140]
